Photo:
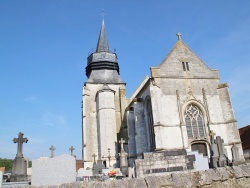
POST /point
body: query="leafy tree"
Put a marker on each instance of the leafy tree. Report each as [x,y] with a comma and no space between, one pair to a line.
[30,164]
[7,163]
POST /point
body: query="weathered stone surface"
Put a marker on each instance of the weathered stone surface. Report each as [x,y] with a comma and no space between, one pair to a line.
[245,169]
[226,177]
[53,171]
[159,181]
[224,174]
[181,179]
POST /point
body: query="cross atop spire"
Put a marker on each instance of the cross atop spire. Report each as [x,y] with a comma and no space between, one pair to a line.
[102,45]
[103,14]
[178,35]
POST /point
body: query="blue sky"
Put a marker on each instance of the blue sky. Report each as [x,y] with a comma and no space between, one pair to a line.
[44,45]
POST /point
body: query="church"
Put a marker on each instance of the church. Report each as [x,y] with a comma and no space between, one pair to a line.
[182,107]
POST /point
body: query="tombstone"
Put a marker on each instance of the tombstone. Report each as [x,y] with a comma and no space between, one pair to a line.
[19,164]
[201,162]
[53,171]
[214,152]
[52,148]
[235,153]
[222,159]
[123,159]
[98,167]
[94,156]
[1,178]
[84,174]
[71,150]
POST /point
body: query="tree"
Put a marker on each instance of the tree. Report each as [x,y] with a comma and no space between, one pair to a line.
[7,163]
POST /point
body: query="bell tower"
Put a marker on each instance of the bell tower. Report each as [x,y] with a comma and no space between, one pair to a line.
[103,105]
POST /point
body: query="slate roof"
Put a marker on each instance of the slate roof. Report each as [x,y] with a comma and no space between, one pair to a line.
[102,45]
[102,66]
[245,137]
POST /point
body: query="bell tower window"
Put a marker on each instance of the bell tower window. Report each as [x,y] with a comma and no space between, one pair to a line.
[185,66]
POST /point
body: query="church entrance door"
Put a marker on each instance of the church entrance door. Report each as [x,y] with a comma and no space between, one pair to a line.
[200,147]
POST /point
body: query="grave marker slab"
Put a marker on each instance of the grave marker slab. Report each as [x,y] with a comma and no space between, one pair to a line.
[19,165]
[1,178]
[53,171]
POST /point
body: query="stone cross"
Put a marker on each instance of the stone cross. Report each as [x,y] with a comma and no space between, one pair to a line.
[122,142]
[222,158]
[219,143]
[178,35]
[103,14]
[52,148]
[94,157]
[109,157]
[72,149]
[20,140]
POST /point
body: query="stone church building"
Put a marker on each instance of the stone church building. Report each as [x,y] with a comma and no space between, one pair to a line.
[182,106]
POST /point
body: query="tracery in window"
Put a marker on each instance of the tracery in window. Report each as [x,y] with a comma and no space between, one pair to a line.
[194,121]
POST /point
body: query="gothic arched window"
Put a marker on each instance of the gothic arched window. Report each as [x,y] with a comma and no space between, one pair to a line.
[194,121]
[150,122]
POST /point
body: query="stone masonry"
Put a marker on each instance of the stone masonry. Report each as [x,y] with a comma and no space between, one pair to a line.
[236,176]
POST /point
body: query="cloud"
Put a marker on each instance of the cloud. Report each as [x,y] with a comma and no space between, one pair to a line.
[53,120]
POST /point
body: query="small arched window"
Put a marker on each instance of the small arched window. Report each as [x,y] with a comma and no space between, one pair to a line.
[194,121]
[150,122]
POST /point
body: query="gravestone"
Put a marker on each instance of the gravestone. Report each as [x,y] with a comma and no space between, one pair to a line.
[222,159]
[98,167]
[53,171]
[214,151]
[1,178]
[123,159]
[19,165]
[201,162]
[84,174]
[71,150]
[235,152]
[52,148]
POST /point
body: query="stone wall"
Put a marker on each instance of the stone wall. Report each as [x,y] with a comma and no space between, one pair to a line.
[236,176]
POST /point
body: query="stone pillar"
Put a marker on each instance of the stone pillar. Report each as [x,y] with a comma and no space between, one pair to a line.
[106,125]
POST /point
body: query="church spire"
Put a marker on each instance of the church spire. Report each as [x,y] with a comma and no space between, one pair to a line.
[102,65]
[102,45]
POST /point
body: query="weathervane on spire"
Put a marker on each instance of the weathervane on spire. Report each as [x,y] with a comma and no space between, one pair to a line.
[178,35]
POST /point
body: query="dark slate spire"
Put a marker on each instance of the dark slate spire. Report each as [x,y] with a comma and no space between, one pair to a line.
[102,45]
[102,65]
